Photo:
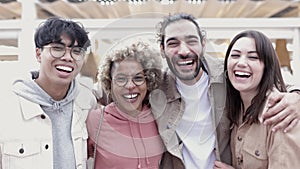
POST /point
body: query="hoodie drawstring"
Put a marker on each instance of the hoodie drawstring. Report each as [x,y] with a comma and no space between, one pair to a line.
[134,144]
[142,138]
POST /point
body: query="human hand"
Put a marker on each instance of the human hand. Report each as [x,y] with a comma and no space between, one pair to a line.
[220,165]
[283,110]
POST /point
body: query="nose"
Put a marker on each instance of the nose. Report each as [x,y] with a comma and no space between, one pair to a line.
[242,61]
[67,56]
[130,84]
[183,49]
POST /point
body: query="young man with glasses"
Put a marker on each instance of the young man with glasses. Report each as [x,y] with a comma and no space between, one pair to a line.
[44,122]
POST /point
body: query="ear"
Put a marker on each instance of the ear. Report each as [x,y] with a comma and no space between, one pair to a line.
[162,52]
[203,44]
[38,52]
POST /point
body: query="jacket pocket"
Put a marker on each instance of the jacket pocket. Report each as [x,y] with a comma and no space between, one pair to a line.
[255,155]
[80,148]
[17,155]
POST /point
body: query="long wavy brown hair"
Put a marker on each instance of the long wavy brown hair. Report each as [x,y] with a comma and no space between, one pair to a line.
[271,78]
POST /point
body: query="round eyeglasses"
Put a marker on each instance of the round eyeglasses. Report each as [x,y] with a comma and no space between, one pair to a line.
[121,81]
[59,50]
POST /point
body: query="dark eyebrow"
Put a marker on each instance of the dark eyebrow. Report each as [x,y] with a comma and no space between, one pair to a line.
[138,73]
[169,39]
[252,52]
[62,43]
[185,37]
[191,37]
[121,74]
[235,50]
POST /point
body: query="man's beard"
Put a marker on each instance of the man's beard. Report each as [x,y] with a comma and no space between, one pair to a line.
[196,60]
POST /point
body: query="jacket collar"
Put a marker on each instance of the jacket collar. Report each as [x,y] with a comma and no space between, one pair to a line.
[29,109]
[169,85]
[214,68]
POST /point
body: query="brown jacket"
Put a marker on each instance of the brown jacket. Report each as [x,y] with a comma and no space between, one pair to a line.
[168,108]
[257,147]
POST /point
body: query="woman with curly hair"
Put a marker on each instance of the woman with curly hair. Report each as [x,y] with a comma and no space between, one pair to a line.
[124,134]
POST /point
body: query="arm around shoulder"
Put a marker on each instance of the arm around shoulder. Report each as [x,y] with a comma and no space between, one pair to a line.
[283,110]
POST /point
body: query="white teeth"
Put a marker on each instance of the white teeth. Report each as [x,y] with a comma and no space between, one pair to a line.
[185,62]
[242,73]
[130,96]
[64,68]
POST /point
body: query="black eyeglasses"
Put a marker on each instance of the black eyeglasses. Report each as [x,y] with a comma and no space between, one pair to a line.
[59,50]
[122,80]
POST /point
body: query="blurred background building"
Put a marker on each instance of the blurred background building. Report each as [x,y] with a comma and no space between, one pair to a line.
[111,20]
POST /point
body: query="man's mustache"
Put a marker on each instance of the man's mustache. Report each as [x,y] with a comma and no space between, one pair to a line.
[188,56]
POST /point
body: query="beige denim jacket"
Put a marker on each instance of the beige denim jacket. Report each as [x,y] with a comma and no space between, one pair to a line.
[26,133]
[168,108]
[255,146]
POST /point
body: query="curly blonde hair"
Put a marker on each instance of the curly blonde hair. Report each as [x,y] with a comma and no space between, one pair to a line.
[148,56]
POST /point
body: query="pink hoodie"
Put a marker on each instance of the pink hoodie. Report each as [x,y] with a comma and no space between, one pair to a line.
[124,142]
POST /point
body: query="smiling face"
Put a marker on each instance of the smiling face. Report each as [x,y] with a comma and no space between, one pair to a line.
[57,71]
[183,49]
[245,69]
[128,96]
